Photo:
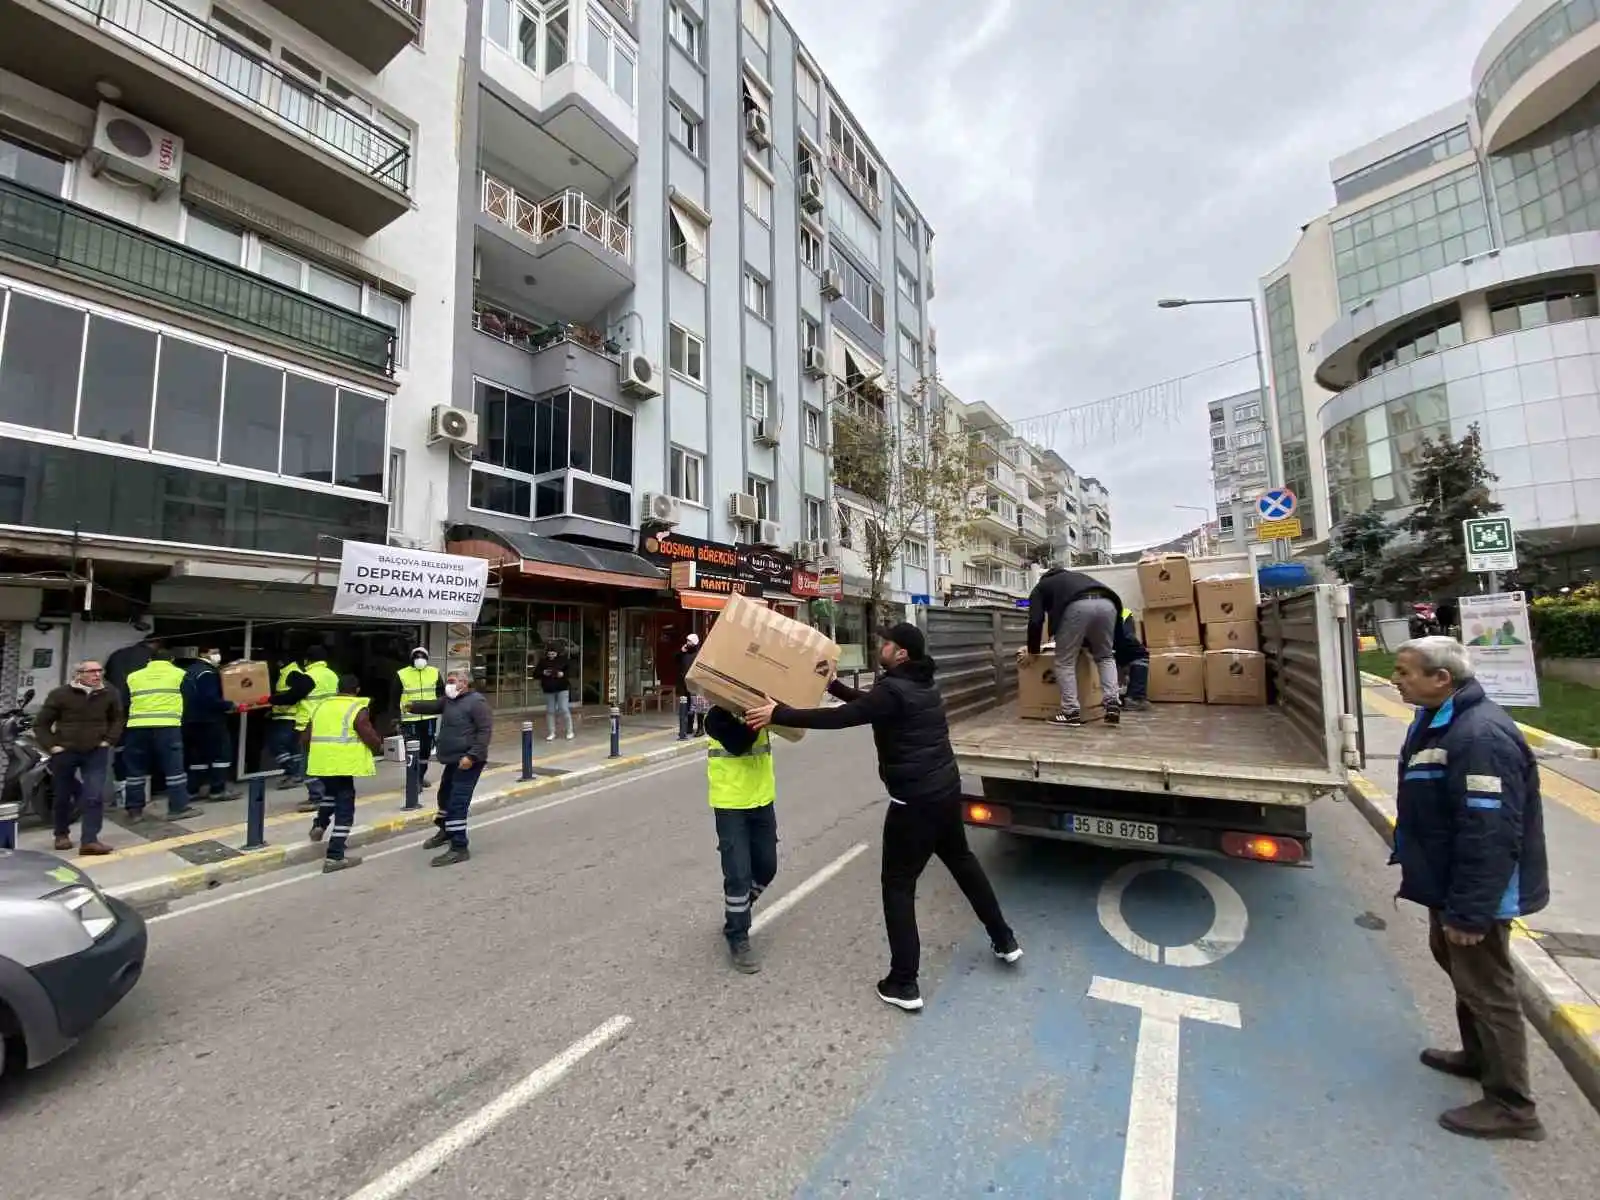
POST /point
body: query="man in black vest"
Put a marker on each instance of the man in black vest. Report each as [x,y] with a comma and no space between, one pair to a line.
[918,768]
[1083,612]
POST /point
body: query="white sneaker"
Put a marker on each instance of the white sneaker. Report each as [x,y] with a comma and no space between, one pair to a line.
[570,735]
[550,737]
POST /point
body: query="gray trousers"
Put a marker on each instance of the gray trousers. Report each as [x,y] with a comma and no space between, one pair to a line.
[1090,622]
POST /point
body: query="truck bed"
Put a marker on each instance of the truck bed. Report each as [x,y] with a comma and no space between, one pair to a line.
[1223,752]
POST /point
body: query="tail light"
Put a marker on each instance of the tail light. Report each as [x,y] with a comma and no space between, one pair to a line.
[1263,847]
[988,814]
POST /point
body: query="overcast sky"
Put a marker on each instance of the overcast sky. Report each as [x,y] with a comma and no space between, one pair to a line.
[1080,159]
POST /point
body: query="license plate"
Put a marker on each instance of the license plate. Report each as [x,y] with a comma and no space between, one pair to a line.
[1113,828]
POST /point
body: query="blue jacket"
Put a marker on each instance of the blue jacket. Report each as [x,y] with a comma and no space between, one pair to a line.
[1469,836]
[202,694]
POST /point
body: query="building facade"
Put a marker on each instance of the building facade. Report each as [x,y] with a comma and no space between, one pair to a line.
[1454,284]
[1238,466]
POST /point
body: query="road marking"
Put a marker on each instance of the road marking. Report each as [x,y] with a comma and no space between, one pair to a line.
[1151,1148]
[436,1153]
[1229,923]
[515,814]
[788,900]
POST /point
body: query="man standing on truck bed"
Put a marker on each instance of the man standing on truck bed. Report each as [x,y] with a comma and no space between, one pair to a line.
[918,767]
[1082,612]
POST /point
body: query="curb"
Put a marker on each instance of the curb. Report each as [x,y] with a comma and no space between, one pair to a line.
[1537,738]
[150,896]
[1368,679]
[1563,1013]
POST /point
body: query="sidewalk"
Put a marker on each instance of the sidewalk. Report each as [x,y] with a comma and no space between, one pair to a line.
[159,860]
[1558,950]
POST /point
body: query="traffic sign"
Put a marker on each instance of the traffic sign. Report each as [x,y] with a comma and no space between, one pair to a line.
[1276,504]
[1491,546]
[1271,531]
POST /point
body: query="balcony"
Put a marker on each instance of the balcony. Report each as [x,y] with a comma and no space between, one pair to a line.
[48,232]
[233,109]
[373,32]
[993,555]
[858,183]
[863,400]
[535,337]
[565,252]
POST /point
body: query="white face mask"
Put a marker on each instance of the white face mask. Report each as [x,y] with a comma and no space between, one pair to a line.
[452,690]
[214,659]
[419,662]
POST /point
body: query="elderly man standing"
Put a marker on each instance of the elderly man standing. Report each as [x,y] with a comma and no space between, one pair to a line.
[1469,839]
[80,723]
[466,727]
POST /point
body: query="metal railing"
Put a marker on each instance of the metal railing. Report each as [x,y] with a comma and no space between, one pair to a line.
[535,337]
[174,37]
[859,184]
[859,400]
[411,8]
[570,210]
[51,232]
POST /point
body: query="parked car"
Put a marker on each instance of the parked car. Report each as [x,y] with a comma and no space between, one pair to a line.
[68,954]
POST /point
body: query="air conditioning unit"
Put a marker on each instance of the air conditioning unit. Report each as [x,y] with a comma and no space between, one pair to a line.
[767,431]
[126,147]
[743,509]
[824,548]
[832,284]
[638,377]
[816,362]
[757,127]
[804,551]
[454,425]
[770,533]
[658,508]
[810,193]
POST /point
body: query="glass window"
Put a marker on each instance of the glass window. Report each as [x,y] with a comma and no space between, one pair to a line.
[497,22]
[686,354]
[1395,239]
[814,428]
[391,310]
[39,363]
[757,295]
[755,397]
[810,248]
[557,37]
[808,86]
[757,20]
[684,127]
[119,375]
[207,236]
[684,30]
[308,429]
[251,413]
[550,497]
[860,292]
[853,222]
[285,268]
[23,164]
[188,399]
[757,193]
[601,503]
[361,441]
[335,289]
[686,471]
[500,494]
[582,432]
[603,443]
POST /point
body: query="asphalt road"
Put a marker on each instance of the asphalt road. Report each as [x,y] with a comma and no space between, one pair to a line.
[557,1020]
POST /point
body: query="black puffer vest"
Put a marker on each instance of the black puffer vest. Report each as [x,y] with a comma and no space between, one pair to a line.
[915,760]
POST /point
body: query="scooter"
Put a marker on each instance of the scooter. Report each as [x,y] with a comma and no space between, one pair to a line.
[27,776]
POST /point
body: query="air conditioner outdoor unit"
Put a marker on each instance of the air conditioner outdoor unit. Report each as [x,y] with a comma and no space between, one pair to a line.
[638,376]
[816,362]
[804,551]
[126,147]
[810,193]
[454,425]
[769,534]
[757,127]
[824,548]
[832,284]
[767,432]
[742,508]
[658,508]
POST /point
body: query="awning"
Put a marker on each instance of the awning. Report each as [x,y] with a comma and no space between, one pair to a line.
[552,558]
[702,601]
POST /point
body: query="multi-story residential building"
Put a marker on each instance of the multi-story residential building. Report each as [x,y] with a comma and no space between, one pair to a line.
[1453,284]
[225,238]
[1238,466]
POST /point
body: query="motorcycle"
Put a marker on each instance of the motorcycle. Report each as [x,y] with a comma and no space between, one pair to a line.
[27,773]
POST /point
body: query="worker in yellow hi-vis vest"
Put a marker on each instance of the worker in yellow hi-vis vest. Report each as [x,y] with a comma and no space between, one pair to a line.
[324,686]
[419,682]
[154,735]
[340,742]
[743,791]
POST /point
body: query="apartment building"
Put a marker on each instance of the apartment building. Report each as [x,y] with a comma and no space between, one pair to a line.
[1238,466]
[1452,284]
[226,231]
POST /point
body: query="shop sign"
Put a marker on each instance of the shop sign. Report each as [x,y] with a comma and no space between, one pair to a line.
[1500,647]
[967,595]
[683,576]
[387,584]
[830,584]
[750,564]
[805,584]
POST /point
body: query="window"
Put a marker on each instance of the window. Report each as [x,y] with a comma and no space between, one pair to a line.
[686,241]
[810,334]
[395,494]
[906,224]
[686,354]
[538,32]
[687,471]
[561,452]
[808,86]
[911,350]
[762,491]
[610,57]
[757,193]
[1247,412]
[850,158]
[1255,437]
[816,518]
[755,397]
[757,20]
[810,248]
[32,168]
[906,282]
[916,554]
[1219,444]
[1216,416]
[853,223]
[684,29]
[1428,334]
[1543,303]
[845,525]
[814,428]
[757,295]
[859,292]
[683,127]
[1255,464]
[1410,234]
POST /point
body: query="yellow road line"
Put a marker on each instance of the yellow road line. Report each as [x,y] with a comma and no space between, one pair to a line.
[1384,706]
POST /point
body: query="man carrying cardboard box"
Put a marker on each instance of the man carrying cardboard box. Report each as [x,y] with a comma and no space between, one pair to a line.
[743,789]
[1082,611]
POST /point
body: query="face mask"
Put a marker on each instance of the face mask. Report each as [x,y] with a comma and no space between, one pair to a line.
[419,662]
[452,690]
[214,659]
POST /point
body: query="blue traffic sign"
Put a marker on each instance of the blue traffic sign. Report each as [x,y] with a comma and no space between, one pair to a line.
[920,599]
[1276,504]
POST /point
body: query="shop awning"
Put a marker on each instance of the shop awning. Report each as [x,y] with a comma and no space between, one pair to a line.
[552,558]
[702,601]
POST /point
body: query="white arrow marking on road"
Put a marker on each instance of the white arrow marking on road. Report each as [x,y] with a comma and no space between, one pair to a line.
[1229,923]
[1151,1149]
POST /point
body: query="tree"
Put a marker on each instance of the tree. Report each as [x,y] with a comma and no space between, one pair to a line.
[910,474]
[1360,554]
[1449,484]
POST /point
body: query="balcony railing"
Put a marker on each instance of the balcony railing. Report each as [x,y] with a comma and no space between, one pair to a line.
[863,400]
[535,336]
[539,220]
[170,35]
[842,163]
[55,233]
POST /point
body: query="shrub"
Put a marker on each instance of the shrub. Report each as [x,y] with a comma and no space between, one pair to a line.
[1567,629]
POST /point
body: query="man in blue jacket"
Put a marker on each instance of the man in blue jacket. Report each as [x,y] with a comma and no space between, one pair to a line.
[206,740]
[1469,839]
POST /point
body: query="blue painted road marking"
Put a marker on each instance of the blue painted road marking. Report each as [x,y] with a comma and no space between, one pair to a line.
[1015,1082]
[1276,504]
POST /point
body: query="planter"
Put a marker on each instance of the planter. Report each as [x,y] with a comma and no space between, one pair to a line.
[1585,671]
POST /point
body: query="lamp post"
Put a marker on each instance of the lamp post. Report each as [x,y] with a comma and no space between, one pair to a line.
[1275,479]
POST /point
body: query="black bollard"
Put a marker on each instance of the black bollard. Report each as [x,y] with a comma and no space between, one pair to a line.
[255,836]
[527,749]
[413,773]
[616,732]
[684,719]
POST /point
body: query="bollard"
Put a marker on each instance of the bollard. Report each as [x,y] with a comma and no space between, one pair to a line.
[857,683]
[255,826]
[413,773]
[9,814]
[527,749]
[683,718]
[616,732]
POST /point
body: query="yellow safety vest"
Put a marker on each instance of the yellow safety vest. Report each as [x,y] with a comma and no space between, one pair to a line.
[418,683]
[1126,613]
[286,712]
[155,696]
[336,747]
[745,780]
[324,686]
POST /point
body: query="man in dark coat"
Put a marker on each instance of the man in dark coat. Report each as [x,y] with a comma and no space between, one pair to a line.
[207,742]
[1081,611]
[918,767]
[1469,839]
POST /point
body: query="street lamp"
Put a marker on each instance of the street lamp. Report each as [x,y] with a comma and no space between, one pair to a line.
[1269,408]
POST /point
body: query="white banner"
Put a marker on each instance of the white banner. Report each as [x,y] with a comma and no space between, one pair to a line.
[408,585]
[1499,644]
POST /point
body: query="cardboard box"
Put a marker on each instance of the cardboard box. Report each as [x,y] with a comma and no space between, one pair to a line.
[1236,635]
[1172,628]
[754,654]
[1226,599]
[1236,677]
[1039,694]
[1165,580]
[1178,677]
[247,683]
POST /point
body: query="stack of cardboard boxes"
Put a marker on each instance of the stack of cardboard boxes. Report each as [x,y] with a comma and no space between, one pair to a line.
[1205,646]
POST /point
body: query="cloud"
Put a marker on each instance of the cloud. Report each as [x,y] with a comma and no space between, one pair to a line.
[1078,161]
